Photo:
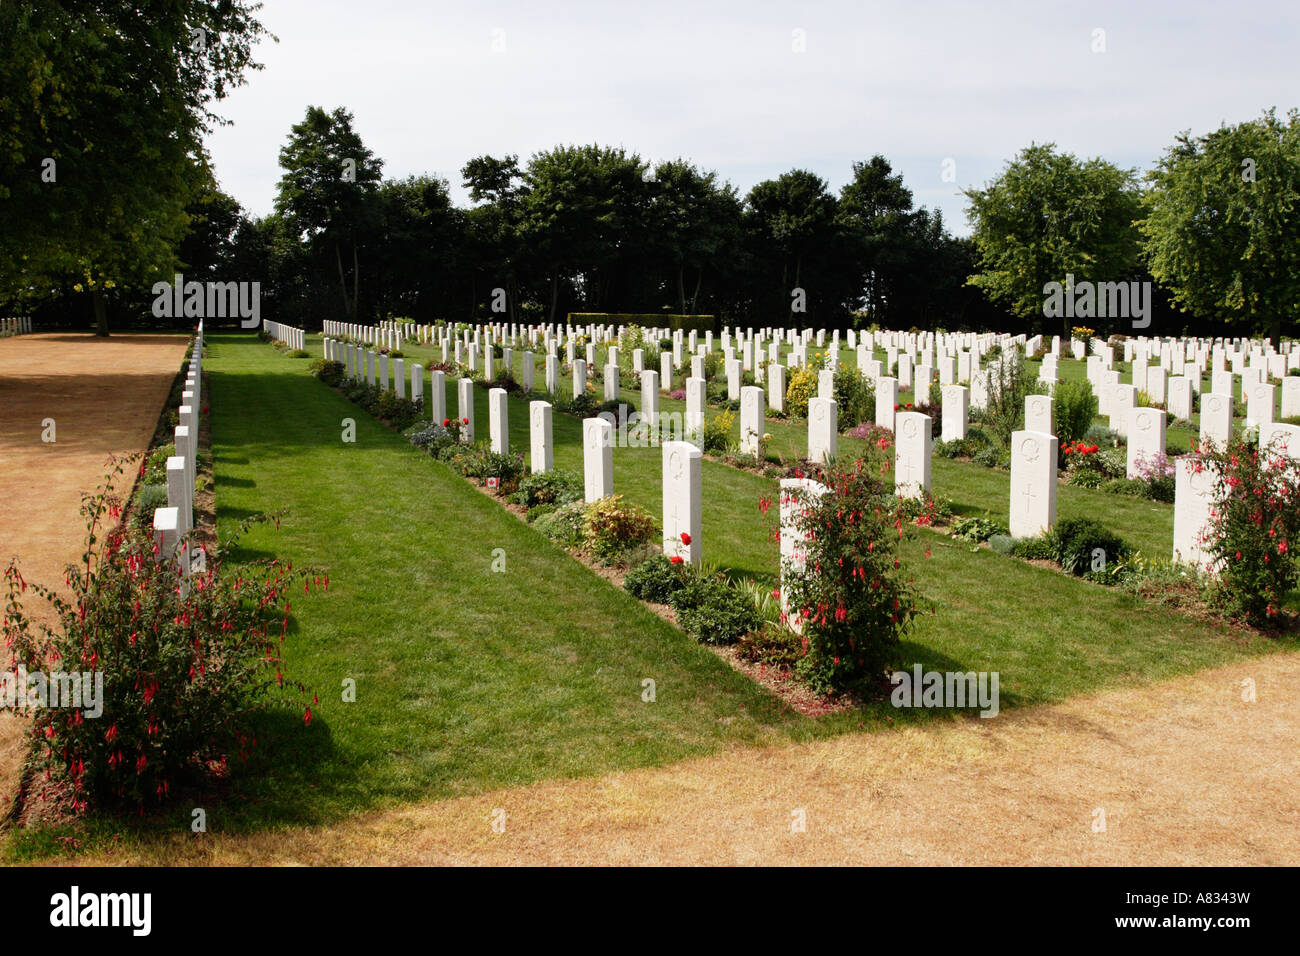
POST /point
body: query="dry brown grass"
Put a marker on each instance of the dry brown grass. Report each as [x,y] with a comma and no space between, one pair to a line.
[1186,771]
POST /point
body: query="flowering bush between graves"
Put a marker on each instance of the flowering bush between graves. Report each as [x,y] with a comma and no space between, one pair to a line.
[799,389]
[1085,548]
[183,673]
[329,372]
[611,527]
[855,395]
[716,435]
[852,597]
[548,488]
[1156,473]
[492,469]
[1254,527]
[1073,409]
[564,525]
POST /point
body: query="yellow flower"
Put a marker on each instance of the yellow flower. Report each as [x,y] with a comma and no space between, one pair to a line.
[766,437]
[77,287]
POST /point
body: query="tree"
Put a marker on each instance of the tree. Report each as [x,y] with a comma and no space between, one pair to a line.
[1050,216]
[328,190]
[105,107]
[875,210]
[1222,226]
[692,218]
[795,213]
[494,228]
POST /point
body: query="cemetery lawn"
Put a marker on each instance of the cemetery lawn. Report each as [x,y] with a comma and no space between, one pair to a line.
[469,680]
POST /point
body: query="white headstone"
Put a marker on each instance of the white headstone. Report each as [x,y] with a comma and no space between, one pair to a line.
[912,431]
[1038,414]
[1146,437]
[886,399]
[499,421]
[1194,483]
[956,399]
[465,396]
[751,419]
[823,429]
[682,500]
[1216,418]
[650,399]
[776,387]
[597,458]
[796,495]
[541,446]
[1033,483]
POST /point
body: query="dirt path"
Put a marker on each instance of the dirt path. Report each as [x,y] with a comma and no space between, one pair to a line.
[1186,771]
[104,396]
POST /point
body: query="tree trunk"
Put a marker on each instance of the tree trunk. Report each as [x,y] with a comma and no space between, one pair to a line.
[681,290]
[695,296]
[555,291]
[343,283]
[1275,332]
[101,312]
[356,281]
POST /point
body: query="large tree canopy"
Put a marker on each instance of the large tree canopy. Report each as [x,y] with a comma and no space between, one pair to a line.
[1222,229]
[1047,217]
[105,106]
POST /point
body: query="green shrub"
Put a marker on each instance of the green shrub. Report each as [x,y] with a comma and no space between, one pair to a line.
[1004,410]
[1038,548]
[299,353]
[1081,543]
[331,373]
[799,389]
[976,530]
[147,498]
[991,456]
[1073,409]
[717,431]
[432,437]
[548,487]
[612,527]
[581,406]
[1132,487]
[481,464]
[564,525]
[713,612]
[536,512]
[855,397]
[155,466]
[656,580]
[400,412]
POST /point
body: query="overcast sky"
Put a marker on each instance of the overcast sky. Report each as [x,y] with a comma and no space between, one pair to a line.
[723,84]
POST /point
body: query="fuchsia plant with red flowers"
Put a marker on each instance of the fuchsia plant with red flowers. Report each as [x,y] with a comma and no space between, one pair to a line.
[1254,526]
[186,663]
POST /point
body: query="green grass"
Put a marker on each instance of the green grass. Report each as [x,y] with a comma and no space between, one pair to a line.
[469,680]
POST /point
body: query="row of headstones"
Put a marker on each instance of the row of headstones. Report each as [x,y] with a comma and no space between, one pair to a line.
[172,524]
[294,338]
[379,336]
[16,325]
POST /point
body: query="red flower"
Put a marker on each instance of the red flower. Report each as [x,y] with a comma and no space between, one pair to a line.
[446,422]
[686,538]
[676,559]
[306,718]
[464,421]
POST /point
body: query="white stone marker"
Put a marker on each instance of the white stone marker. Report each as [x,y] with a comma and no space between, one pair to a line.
[1259,404]
[417,382]
[579,377]
[179,495]
[826,383]
[611,383]
[796,495]
[465,394]
[370,368]
[751,419]
[650,400]
[666,368]
[539,433]
[527,380]
[438,396]
[383,371]
[1146,437]
[1179,401]
[733,379]
[499,420]
[1194,483]
[1280,439]
[399,377]
[1123,399]
[697,367]
[1033,483]
[1038,414]
[597,459]
[912,454]
[695,395]
[1291,397]
[886,399]
[1216,418]
[682,500]
[553,374]
[823,429]
[167,533]
[956,406]
[776,387]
